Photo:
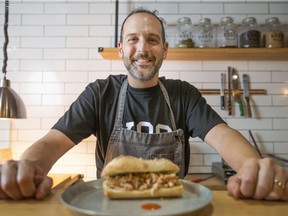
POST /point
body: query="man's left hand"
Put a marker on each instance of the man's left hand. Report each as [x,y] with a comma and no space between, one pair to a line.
[260,179]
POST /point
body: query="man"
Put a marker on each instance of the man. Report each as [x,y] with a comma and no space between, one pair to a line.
[145,116]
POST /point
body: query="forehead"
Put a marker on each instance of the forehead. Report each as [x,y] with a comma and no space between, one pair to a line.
[142,23]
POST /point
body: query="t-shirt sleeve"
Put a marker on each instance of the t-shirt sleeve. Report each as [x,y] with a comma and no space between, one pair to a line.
[78,122]
[201,117]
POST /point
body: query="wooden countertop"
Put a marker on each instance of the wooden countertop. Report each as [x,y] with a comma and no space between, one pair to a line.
[64,180]
[222,204]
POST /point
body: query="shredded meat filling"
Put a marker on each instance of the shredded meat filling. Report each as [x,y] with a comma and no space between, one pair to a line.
[142,181]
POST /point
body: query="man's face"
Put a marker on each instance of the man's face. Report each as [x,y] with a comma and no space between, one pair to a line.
[142,49]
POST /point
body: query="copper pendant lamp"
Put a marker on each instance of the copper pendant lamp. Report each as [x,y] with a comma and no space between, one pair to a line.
[11,105]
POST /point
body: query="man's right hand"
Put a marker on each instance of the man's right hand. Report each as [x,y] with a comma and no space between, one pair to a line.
[23,179]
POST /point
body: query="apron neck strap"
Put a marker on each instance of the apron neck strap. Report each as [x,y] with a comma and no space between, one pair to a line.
[166,96]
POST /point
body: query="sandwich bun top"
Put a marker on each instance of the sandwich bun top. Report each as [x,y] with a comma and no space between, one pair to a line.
[130,164]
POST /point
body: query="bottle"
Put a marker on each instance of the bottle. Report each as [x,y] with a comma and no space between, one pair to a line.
[273,35]
[249,33]
[185,34]
[206,34]
[227,33]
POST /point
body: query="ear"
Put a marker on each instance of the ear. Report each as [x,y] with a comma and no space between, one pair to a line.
[120,50]
[165,50]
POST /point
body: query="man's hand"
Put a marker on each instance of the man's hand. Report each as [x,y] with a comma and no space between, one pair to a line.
[260,179]
[23,179]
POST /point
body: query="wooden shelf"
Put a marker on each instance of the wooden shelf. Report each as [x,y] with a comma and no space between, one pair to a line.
[221,54]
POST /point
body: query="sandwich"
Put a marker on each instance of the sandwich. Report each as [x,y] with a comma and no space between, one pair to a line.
[127,177]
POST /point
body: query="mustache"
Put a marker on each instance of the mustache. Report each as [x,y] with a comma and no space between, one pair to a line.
[143,56]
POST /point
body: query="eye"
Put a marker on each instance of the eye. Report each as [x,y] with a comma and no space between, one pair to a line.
[153,40]
[132,39]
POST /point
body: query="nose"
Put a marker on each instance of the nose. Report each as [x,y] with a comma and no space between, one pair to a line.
[142,46]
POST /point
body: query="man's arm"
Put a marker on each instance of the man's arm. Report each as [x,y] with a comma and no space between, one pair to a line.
[231,145]
[28,176]
[256,177]
[46,151]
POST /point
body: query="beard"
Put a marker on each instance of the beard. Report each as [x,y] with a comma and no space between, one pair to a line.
[142,72]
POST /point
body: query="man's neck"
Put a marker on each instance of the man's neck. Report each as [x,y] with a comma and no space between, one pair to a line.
[142,84]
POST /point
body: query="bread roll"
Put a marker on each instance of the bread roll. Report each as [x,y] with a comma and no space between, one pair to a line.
[175,191]
[128,177]
[130,164]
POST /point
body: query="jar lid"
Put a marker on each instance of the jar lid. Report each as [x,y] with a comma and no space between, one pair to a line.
[184,21]
[272,21]
[205,21]
[249,21]
[225,20]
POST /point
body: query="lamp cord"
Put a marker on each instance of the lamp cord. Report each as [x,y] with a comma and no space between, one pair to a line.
[5,59]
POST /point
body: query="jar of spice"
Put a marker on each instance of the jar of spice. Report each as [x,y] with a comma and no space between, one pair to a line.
[227,33]
[185,34]
[206,34]
[285,31]
[249,33]
[273,35]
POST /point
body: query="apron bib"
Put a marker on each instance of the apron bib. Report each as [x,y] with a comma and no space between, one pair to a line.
[168,145]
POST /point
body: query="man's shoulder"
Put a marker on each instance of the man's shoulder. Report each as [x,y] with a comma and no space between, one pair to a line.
[175,83]
[111,80]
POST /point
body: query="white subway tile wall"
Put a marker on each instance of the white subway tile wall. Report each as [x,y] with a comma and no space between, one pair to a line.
[53,55]
[4,134]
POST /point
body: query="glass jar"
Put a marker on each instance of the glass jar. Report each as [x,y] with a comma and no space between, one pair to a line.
[285,31]
[249,33]
[206,34]
[185,34]
[273,36]
[227,33]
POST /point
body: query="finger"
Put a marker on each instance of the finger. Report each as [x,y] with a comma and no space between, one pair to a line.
[8,180]
[233,186]
[285,194]
[265,179]
[25,179]
[44,186]
[248,174]
[2,194]
[279,190]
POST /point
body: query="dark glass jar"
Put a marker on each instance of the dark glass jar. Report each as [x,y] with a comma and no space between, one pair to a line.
[249,33]
[273,36]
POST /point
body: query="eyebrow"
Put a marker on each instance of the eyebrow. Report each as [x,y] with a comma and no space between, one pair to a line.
[151,34]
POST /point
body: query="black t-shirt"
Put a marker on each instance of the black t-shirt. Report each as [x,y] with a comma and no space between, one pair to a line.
[145,110]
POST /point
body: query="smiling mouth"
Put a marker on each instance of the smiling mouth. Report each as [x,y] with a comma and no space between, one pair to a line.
[143,62]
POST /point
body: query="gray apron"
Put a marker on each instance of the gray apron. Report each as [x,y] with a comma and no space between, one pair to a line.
[168,145]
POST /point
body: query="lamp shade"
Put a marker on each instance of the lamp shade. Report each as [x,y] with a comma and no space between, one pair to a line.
[11,105]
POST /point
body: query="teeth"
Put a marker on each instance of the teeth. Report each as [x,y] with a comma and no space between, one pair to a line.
[143,60]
